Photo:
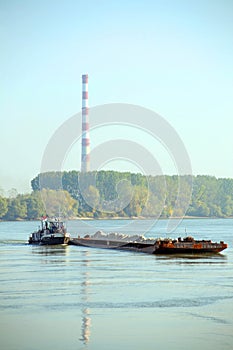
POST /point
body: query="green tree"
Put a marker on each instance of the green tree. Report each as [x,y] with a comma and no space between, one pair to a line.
[91,197]
[17,208]
[59,203]
[70,183]
[35,206]
[210,197]
[50,180]
[3,207]
[153,207]
[138,201]
[226,205]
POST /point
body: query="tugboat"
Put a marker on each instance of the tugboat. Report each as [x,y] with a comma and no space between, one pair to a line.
[51,232]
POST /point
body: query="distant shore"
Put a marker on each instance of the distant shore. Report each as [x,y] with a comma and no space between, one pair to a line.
[126,218]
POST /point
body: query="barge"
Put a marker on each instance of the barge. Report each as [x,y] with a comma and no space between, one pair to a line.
[186,245]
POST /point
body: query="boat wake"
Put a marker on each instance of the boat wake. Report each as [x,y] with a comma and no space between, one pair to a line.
[12,242]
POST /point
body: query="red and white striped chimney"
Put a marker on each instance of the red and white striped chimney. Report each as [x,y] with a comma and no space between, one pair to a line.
[85,160]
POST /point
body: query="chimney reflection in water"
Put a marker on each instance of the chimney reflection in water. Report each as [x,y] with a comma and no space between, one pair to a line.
[86,319]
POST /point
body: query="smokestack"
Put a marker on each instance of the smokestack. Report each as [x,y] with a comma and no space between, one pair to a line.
[85,160]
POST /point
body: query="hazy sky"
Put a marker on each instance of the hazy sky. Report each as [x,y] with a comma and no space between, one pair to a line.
[174,57]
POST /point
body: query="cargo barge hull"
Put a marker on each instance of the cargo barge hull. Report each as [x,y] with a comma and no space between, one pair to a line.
[186,246]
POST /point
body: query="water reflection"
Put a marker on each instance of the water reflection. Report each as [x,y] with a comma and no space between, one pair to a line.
[52,254]
[85,291]
[86,323]
[51,250]
[194,258]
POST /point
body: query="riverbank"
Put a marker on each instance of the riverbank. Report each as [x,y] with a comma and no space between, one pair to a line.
[84,218]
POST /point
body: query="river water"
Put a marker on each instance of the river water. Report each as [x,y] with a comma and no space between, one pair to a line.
[69,297]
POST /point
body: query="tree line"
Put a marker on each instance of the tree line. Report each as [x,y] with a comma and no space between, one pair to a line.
[111,193]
